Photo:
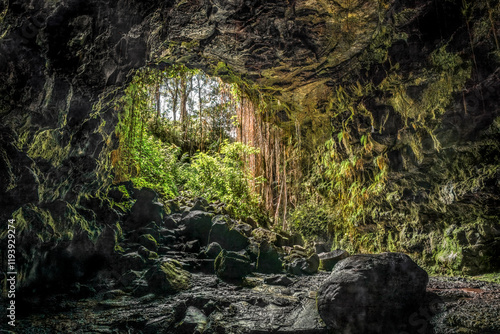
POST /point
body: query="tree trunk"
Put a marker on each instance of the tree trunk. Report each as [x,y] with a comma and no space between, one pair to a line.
[200,105]
[183,108]
[175,97]
[158,101]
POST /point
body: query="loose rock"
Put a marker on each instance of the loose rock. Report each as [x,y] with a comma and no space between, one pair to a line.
[305,266]
[213,250]
[168,278]
[278,280]
[268,260]
[328,260]
[229,239]
[232,265]
[197,226]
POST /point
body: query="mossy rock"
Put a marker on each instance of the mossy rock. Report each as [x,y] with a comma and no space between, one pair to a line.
[229,239]
[130,261]
[168,278]
[146,253]
[268,260]
[213,250]
[148,241]
[329,259]
[232,265]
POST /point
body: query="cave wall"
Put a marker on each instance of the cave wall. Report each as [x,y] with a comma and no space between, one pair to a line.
[65,63]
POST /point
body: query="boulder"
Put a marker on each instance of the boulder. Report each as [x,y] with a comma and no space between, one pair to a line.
[192,246]
[130,261]
[232,265]
[148,241]
[250,221]
[173,206]
[151,229]
[261,234]
[139,287]
[229,239]
[328,260]
[146,253]
[322,247]
[268,260]
[244,229]
[305,266]
[107,241]
[168,240]
[213,250]
[200,204]
[169,223]
[127,278]
[167,278]
[197,226]
[146,208]
[282,240]
[371,293]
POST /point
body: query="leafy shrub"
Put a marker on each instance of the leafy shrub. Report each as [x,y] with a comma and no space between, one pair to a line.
[222,176]
[311,220]
[158,167]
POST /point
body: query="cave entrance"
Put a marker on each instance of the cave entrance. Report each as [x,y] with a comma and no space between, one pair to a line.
[183,132]
[180,106]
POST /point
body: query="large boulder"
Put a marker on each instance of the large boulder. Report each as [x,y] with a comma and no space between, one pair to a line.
[371,293]
[232,265]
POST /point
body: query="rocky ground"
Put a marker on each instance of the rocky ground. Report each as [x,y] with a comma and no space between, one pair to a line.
[464,305]
[454,305]
[197,271]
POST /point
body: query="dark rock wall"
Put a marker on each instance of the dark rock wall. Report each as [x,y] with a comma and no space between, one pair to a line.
[62,64]
[65,63]
[442,197]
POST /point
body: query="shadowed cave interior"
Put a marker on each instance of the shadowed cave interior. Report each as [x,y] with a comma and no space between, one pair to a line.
[249,166]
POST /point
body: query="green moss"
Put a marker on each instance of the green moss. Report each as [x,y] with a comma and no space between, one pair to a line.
[176,278]
[50,227]
[46,145]
[449,255]
[149,240]
[125,204]
[491,277]
[447,76]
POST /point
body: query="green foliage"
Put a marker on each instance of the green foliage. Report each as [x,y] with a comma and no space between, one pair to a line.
[222,176]
[158,167]
[125,204]
[347,177]
[311,219]
[155,152]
